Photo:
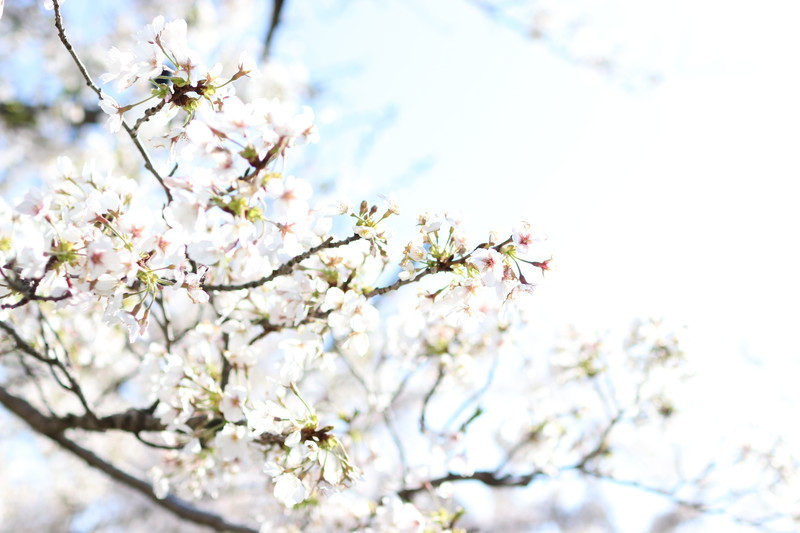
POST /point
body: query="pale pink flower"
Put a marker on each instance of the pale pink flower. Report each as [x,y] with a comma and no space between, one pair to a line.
[192,283]
[365,232]
[331,466]
[334,298]
[32,261]
[246,67]
[356,343]
[429,223]
[114,111]
[152,31]
[523,237]
[122,66]
[231,442]
[401,517]
[291,195]
[354,314]
[232,403]
[101,258]
[200,134]
[489,263]
[206,251]
[391,203]
[36,203]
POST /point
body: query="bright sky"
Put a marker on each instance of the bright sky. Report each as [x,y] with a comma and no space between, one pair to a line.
[678,201]
[675,201]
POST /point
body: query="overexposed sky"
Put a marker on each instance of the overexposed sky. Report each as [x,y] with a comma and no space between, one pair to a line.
[676,200]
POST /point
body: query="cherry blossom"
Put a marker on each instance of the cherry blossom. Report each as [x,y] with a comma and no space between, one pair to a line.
[114,111]
[251,320]
[289,490]
[490,266]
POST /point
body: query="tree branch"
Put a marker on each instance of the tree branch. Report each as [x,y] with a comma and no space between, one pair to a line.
[50,428]
[399,283]
[148,164]
[443,265]
[285,268]
[488,478]
[440,374]
[24,346]
[274,22]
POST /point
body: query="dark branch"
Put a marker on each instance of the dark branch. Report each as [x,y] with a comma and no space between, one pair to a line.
[490,479]
[399,283]
[148,164]
[285,268]
[24,346]
[27,288]
[131,421]
[423,427]
[443,265]
[274,22]
[49,427]
[149,112]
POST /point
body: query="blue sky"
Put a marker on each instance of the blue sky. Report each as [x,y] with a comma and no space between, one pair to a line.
[677,200]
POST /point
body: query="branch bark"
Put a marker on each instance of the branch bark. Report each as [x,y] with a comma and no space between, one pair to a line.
[54,429]
[285,268]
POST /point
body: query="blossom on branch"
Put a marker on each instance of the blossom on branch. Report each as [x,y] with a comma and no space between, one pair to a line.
[237,315]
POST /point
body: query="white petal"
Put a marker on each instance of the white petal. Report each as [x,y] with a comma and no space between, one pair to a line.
[289,490]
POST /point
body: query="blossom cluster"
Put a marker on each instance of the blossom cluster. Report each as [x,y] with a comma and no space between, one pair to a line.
[183,288]
[240,305]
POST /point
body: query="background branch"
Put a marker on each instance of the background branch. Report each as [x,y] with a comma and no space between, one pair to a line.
[51,428]
[274,22]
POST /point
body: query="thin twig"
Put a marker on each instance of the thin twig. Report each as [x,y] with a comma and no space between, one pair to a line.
[24,346]
[398,443]
[148,164]
[36,383]
[423,428]
[399,283]
[27,298]
[285,268]
[698,506]
[149,112]
[490,479]
[444,265]
[74,386]
[477,394]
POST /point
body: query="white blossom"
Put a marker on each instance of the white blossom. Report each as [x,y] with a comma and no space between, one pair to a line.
[289,490]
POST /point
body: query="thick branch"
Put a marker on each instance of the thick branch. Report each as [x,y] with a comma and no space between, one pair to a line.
[53,362]
[132,421]
[50,428]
